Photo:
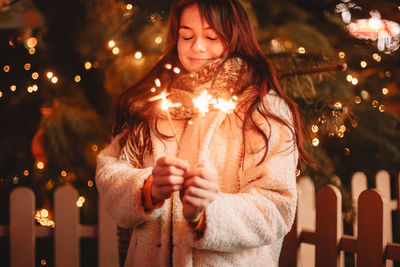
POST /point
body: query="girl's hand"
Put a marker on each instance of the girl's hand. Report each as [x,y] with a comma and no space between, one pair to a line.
[167,177]
[199,190]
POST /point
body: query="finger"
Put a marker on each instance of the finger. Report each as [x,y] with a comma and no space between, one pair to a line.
[201,172]
[201,183]
[177,162]
[199,193]
[167,190]
[195,202]
[168,180]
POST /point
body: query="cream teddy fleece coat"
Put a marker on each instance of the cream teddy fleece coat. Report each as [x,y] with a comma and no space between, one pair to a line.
[244,226]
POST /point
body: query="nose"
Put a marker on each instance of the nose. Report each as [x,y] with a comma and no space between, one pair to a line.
[199,45]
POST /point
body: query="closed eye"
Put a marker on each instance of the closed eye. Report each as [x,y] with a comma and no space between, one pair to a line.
[187,38]
[212,38]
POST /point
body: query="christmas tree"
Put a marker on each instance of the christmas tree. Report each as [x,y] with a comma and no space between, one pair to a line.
[64,62]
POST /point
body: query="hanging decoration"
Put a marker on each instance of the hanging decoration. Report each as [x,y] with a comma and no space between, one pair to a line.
[385,33]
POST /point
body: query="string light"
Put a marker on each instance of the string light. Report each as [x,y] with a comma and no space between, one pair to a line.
[54,79]
[168,66]
[111,43]
[129,6]
[376,57]
[363,64]
[375,103]
[13,88]
[63,173]
[385,91]
[77,78]
[43,262]
[314,128]
[357,100]
[381,108]
[349,78]
[177,70]
[27,66]
[88,65]
[301,50]
[43,217]
[388,74]
[354,81]
[80,201]
[6,68]
[115,50]
[1,94]
[346,151]
[31,50]
[26,172]
[342,55]
[153,89]
[158,40]
[90,183]
[35,75]
[138,55]
[95,148]
[40,165]
[49,74]
[157,82]
[31,42]
[315,142]
[364,94]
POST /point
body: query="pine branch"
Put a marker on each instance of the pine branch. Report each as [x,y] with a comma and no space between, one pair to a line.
[336,67]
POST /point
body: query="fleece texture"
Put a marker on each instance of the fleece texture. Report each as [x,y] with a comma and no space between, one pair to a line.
[244,226]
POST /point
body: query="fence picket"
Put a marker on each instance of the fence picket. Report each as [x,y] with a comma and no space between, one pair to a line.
[306,219]
[370,229]
[358,184]
[328,226]
[66,227]
[108,249]
[22,227]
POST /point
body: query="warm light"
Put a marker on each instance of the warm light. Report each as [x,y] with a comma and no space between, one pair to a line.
[90,183]
[357,100]
[364,94]
[190,122]
[157,82]
[35,75]
[31,50]
[88,65]
[111,43]
[77,78]
[354,81]
[158,40]
[338,105]
[63,173]
[164,102]
[342,54]
[346,151]
[6,68]
[44,213]
[375,103]
[225,106]
[115,51]
[1,94]
[363,64]
[129,6]
[49,74]
[31,42]
[95,148]
[29,89]
[79,204]
[177,70]
[54,79]
[340,134]
[153,89]
[26,172]
[314,128]
[82,199]
[376,57]
[388,74]
[385,91]
[43,262]
[342,128]
[301,50]
[40,165]
[168,66]
[315,142]
[27,66]
[96,64]
[381,108]
[13,88]
[349,78]
[35,87]
[138,55]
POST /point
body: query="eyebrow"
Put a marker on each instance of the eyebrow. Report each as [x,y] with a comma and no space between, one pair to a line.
[189,28]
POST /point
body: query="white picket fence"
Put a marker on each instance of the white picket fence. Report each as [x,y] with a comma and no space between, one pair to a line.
[315,240]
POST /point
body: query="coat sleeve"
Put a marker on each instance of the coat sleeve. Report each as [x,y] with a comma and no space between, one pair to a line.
[263,210]
[120,187]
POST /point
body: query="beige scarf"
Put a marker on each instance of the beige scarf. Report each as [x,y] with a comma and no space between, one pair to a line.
[221,78]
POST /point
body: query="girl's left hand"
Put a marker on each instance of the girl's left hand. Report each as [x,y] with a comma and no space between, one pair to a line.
[199,190]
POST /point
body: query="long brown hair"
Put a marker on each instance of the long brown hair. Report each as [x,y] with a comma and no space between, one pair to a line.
[231,23]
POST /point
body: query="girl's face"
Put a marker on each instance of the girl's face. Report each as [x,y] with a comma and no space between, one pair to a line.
[198,43]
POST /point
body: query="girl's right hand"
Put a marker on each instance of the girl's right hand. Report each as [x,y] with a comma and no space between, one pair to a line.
[167,177]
